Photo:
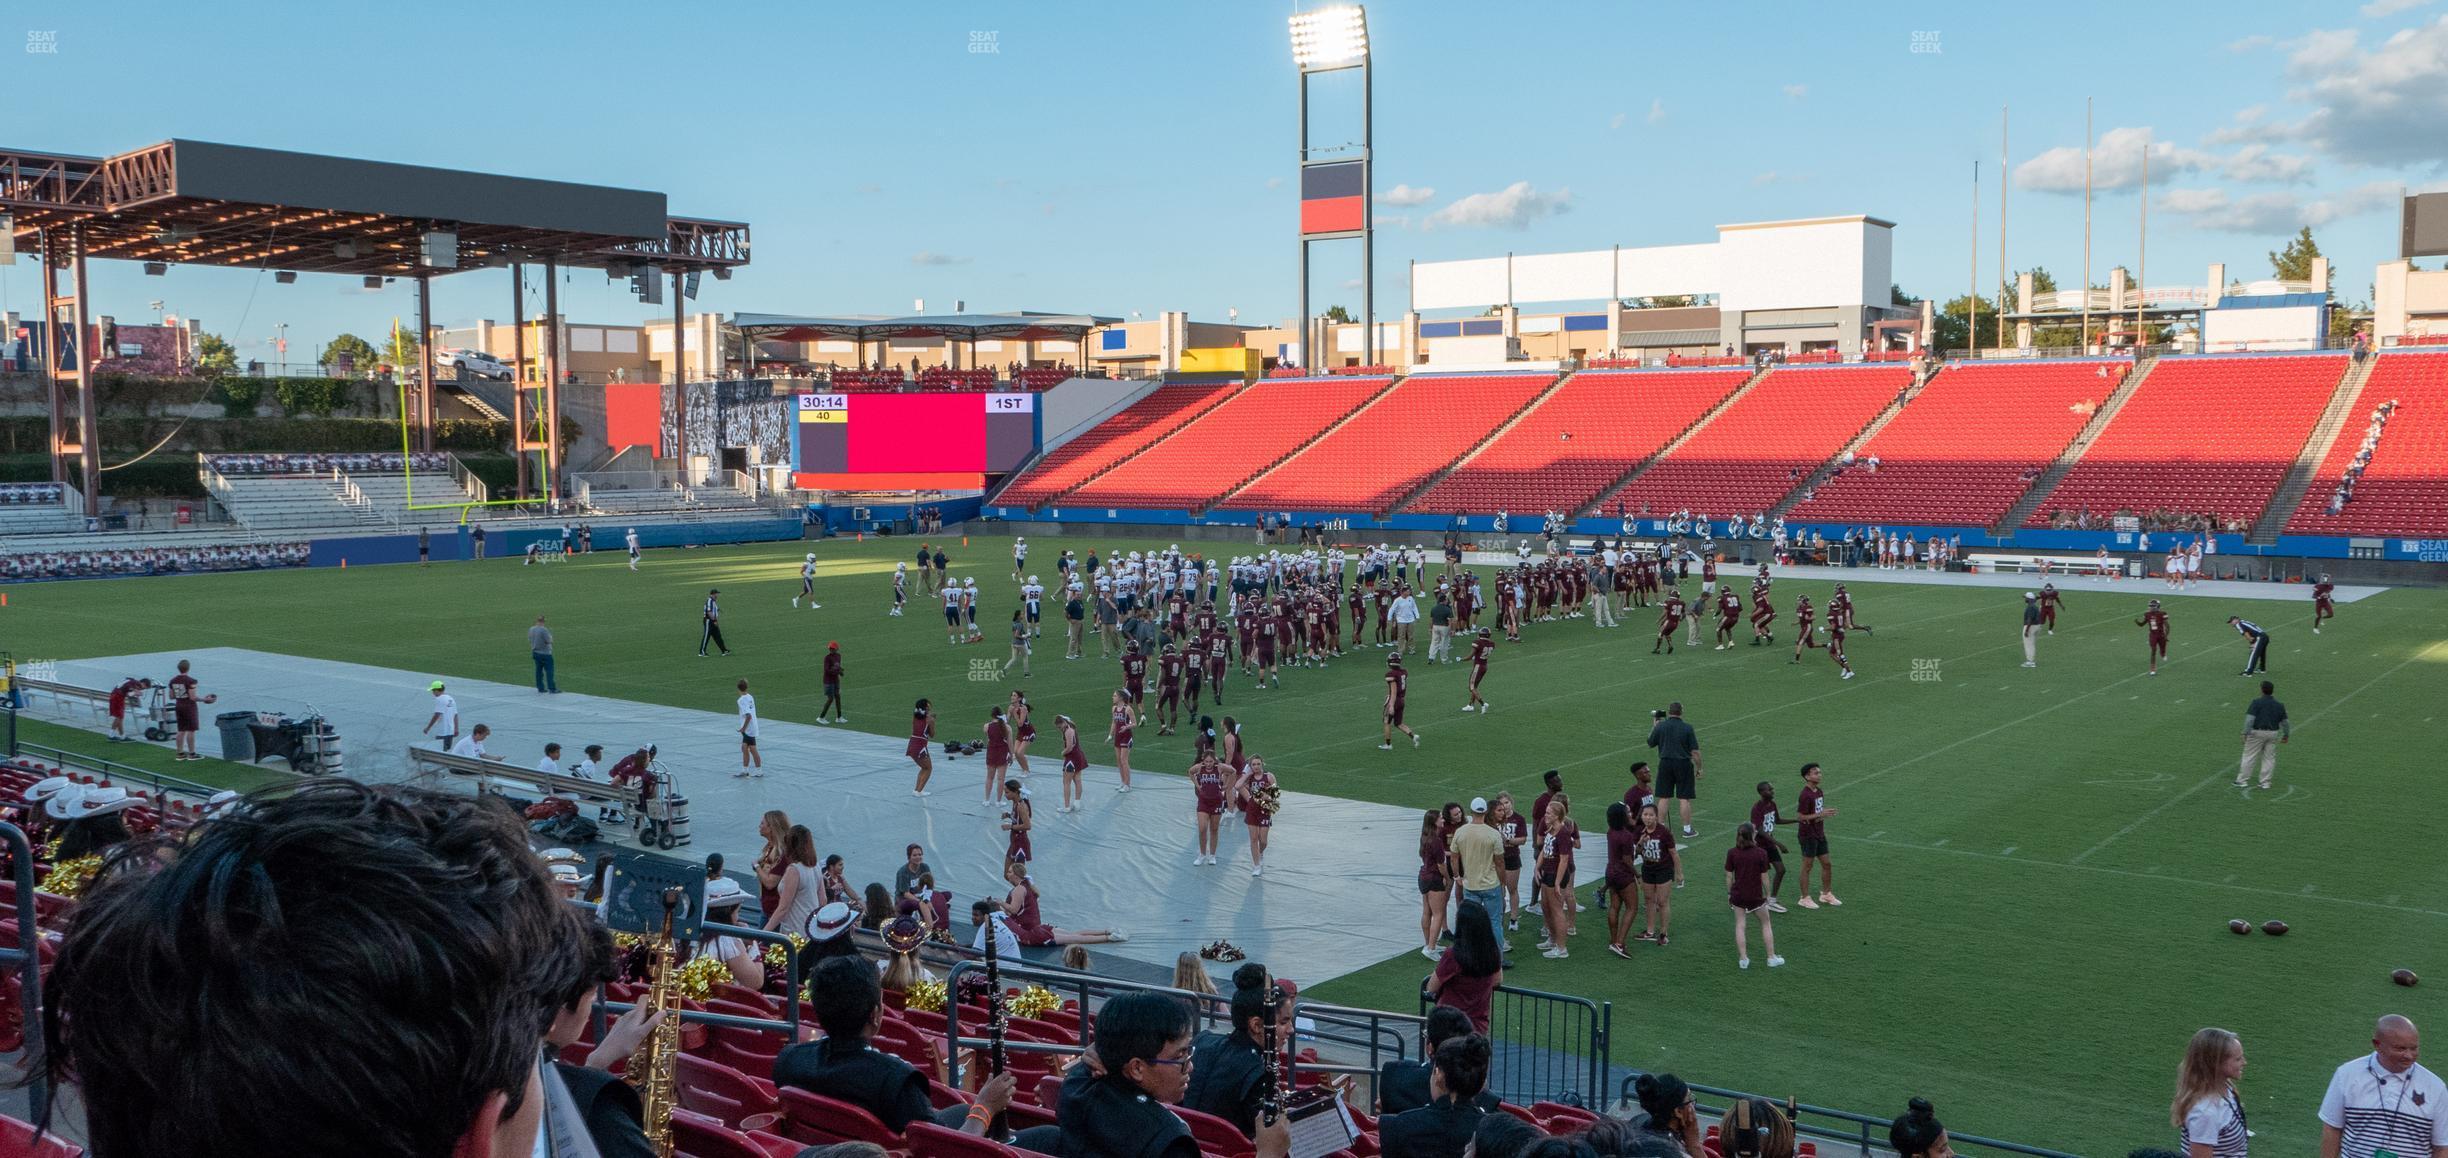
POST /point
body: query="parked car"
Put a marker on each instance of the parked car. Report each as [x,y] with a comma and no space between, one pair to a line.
[471,364]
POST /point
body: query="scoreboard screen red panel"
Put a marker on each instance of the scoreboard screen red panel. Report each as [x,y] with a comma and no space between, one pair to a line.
[916,432]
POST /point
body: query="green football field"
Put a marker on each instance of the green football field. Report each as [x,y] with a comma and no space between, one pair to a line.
[2037,865]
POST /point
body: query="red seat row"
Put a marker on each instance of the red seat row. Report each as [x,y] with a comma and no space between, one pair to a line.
[1596,427]
[2207,435]
[1139,425]
[1400,441]
[1224,447]
[1757,450]
[2404,488]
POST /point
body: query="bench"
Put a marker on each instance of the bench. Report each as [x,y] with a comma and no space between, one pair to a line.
[2065,564]
[502,779]
[65,696]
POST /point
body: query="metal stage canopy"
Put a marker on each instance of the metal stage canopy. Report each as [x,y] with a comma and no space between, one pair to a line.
[184,202]
[1022,327]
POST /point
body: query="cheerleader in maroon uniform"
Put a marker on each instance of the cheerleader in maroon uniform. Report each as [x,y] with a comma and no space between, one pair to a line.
[1207,780]
[1020,915]
[1258,796]
[922,730]
[1556,841]
[1120,737]
[1018,816]
[998,751]
[1022,730]
[1074,762]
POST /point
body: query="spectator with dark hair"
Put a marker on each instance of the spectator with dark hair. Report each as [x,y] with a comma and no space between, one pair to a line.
[1670,1110]
[1443,1128]
[1228,1074]
[430,943]
[1756,1128]
[1918,1133]
[1114,1103]
[1502,1136]
[1571,1146]
[1469,972]
[610,1107]
[842,1066]
[1404,1085]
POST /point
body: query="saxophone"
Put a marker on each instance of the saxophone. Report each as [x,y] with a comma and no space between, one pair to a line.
[651,1067]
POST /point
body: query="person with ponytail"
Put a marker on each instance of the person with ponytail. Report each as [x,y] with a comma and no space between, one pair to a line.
[1671,1110]
[1228,1070]
[1919,1134]
[2209,1119]
[1756,1128]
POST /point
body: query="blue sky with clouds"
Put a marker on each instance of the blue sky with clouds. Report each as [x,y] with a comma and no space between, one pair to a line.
[1136,157]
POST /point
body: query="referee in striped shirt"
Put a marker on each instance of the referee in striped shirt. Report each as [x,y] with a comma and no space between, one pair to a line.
[713,625]
[2256,661]
[2385,1102]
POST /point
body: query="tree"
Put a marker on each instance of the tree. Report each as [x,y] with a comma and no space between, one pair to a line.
[1338,314]
[2294,263]
[215,355]
[401,351]
[1947,329]
[357,352]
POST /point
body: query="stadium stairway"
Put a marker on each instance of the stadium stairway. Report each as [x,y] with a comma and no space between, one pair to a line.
[1404,501]
[1253,481]
[1598,504]
[2273,520]
[1819,477]
[2073,452]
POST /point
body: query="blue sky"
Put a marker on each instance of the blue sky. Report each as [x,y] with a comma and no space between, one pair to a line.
[1136,157]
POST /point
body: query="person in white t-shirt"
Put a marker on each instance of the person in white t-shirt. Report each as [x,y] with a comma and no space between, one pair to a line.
[551,761]
[751,762]
[2208,1117]
[1404,613]
[471,746]
[2385,1102]
[445,715]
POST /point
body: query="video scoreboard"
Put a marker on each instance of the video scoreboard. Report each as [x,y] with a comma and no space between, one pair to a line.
[880,441]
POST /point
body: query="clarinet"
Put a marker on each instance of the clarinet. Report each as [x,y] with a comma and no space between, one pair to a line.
[996,1056]
[1270,1099]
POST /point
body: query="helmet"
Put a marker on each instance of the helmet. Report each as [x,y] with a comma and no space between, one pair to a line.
[900,566]
[2154,603]
[1032,578]
[970,582]
[811,556]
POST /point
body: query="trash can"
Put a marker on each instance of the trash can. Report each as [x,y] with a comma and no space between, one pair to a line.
[237,735]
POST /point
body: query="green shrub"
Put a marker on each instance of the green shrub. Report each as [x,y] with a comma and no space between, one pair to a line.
[237,396]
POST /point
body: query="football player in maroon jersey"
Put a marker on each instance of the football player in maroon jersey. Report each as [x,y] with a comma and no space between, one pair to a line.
[1810,827]
[2323,606]
[1804,635]
[1835,644]
[1763,614]
[2049,601]
[1670,617]
[1398,684]
[1481,648]
[1729,613]
[1169,665]
[2156,621]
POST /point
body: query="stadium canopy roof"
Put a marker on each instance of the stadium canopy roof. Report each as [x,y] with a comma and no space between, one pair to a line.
[198,203]
[1024,327]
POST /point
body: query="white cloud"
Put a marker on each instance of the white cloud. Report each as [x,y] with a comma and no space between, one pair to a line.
[1274,182]
[1513,207]
[1616,121]
[930,257]
[1775,177]
[1407,195]
[1797,91]
[2386,106]
[2116,163]
[2275,214]
[1657,109]
[2257,165]
[2250,43]
[1351,283]
[2380,8]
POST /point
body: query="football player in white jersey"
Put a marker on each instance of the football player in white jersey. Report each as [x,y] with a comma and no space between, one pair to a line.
[633,548]
[952,614]
[900,587]
[807,583]
[1032,599]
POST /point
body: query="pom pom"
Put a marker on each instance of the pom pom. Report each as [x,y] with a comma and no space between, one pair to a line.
[926,996]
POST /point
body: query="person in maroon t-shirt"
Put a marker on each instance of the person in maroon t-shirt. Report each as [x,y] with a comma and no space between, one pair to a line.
[1207,782]
[1745,864]
[1654,853]
[1811,829]
[2323,605]
[1622,878]
[1764,823]
[1555,856]
[2156,621]
[1435,880]
[1481,649]
[119,704]
[1643,791]
[1398,684]
[1515,830]
[1670,617]
[832,684]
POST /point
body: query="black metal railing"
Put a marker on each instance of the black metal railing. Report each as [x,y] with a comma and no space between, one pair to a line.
[1549,1047]
[1831,1125]
[27,961]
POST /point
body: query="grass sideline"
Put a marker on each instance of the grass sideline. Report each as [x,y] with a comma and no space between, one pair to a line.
[2038,866]
[211,771]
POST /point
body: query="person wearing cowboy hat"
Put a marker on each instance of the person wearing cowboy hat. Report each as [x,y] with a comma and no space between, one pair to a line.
[30,817]
[89,819]
[723,898]
[828,934]
[903,937]
[568,870]
[849,1005]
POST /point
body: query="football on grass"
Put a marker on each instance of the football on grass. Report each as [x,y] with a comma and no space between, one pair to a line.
[2405,977]
[2239,927]
[2274,928]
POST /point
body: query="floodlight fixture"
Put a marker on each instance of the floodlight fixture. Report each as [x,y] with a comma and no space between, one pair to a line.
[1330,38]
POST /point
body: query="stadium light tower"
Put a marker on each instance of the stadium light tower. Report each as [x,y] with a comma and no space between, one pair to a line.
[1335,191]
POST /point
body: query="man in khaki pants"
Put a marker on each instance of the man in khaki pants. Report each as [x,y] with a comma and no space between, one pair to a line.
[2265,727]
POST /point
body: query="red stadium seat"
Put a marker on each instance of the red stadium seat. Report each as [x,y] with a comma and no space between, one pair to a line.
[1114,440]
[1759,448]
[750,1095]
[1400,441]
[1593,430]
[18,1140]
[2206,435]
[2404,488]
[814,1119]
[932,1140]
[1224,447]
[698,1136]
[1214,1134]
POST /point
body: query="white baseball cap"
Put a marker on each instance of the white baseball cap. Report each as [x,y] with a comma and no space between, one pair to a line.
[1478,804]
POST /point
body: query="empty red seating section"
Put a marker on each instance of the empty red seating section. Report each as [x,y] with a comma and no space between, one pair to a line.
[1399,442]
[2208,435]
[1970,444]
[1760,448]
[1139,424]
[2404,488]
[1040,377]
[1586,435]
[1219,451]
